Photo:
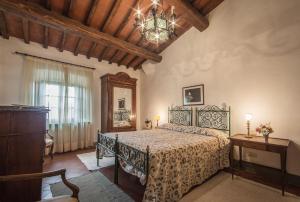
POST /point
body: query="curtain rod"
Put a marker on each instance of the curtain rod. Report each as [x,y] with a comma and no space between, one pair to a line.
[25,54]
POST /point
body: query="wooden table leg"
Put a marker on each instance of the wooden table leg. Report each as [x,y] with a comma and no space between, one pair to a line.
[283,170]
[97,154]
[240,155]
[116,176]
[231,159]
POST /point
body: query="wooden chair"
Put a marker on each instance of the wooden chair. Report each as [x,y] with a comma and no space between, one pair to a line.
[49,142]
[62,173]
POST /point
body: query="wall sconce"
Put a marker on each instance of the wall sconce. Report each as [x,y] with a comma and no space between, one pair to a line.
[248,118]
[156,118]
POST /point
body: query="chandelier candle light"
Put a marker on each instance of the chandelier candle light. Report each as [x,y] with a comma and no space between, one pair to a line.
[155,26]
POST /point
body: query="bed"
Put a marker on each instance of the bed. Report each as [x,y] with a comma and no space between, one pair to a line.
[175,157]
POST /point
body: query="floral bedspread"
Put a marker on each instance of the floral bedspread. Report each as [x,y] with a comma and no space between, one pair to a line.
[180,158]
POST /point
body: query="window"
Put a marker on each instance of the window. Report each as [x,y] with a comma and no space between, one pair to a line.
[65,103]
[52,99]
[68,92]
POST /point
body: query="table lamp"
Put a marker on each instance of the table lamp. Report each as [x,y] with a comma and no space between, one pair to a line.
[248,118]
[157,118]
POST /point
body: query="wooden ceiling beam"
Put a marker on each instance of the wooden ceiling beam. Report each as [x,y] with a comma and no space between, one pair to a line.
[42,16]
[112,12]
[76,51]
[46,34]
[88,21]
[25,27]
[91,12]
[210,5]
[3,26]
[139,65]
[136,57]
[48,4]
[127,54]
[125,20]
[67,7]
[126,39]
[191,14]
[122,25]
[91,49]
[132,61]
[62,42]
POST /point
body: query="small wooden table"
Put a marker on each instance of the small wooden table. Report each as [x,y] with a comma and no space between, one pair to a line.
[275,145]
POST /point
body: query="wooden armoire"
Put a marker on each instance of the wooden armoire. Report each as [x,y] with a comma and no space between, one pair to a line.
[118,103]
[22,143]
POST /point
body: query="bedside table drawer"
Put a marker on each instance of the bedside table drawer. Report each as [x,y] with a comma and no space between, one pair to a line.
[254,145]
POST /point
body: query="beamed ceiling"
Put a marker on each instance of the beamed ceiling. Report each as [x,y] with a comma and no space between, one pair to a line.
[103,29]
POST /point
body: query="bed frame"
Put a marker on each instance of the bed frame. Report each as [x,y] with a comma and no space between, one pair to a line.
[214,117]
[207,117]
[180,115]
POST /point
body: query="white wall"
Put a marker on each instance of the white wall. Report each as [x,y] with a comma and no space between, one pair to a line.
[11,69]
[248,57]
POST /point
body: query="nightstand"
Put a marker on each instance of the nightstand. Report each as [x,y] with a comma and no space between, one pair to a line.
[275,145]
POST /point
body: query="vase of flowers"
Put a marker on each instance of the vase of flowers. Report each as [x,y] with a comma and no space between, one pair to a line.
[265,130]
[148,123]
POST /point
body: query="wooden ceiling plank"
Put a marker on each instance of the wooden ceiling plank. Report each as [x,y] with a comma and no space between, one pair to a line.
[46,34]
[91,12]
[25,26]
[191,14]
[42,16]
[3,26]
[212,4]
[62,42]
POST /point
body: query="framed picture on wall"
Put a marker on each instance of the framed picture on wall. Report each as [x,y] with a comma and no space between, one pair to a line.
[193,95]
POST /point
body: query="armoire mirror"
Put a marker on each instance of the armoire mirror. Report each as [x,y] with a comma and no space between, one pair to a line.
[118,103]
[122,107]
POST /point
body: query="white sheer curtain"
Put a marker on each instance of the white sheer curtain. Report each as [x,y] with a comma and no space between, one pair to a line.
[67,91]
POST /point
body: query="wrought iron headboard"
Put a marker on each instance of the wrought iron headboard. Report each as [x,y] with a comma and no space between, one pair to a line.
[180,115]
[214,117]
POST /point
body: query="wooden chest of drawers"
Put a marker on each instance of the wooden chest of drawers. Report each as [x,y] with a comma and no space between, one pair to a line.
[22,133]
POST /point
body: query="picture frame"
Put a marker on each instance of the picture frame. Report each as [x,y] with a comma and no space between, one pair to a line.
[193,95]
[121,103]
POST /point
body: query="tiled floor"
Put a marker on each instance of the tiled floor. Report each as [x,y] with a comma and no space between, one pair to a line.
[128,183]
[68,161]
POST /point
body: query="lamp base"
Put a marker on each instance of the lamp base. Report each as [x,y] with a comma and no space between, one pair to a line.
[248,136]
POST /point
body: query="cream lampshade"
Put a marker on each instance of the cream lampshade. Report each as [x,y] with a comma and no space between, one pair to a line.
[248,118]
